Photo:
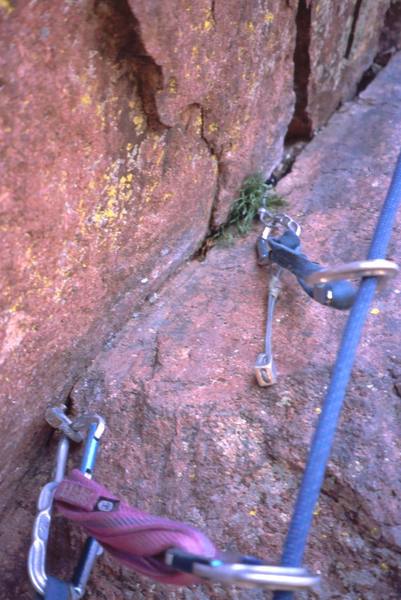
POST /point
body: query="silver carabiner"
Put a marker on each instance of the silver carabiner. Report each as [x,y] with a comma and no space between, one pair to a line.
[378,267]
[72,429]
[247,572]
[271,220]
[265,370]
[41,527]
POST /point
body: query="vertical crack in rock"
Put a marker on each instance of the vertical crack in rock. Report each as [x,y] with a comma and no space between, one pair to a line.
[196,112]
[69,401]
[390,37]
[156,362]
[213,10]
[351,37]
[300,127]
[120,39]
[217,157]
[389,43]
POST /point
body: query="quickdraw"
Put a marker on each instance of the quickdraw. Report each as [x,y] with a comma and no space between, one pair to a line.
[328,286]
[144,542]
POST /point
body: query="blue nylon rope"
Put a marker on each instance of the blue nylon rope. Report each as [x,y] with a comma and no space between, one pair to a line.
[319,453]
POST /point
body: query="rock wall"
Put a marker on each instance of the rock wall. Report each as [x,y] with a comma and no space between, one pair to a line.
[126,129]
[336,43]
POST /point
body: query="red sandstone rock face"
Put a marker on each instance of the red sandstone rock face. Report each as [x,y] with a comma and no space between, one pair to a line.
[98,197]
[124,131]
[191,436]
[111,165]
[336,43]
[230,63]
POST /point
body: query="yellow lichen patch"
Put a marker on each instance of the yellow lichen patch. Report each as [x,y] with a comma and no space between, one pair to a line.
[129,146]
[212,127]
[149,189]
[375,311]
[208,23]
[86,100]
[252,513]
[139,122]
[384,567]
[167,196]
[268,17]
[198,124]
[115,194]
[103,215]
[14,307]
[172,85]
[6,6]
[250,26]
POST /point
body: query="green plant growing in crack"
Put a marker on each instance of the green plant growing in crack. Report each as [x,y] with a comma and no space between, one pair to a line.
[253,194]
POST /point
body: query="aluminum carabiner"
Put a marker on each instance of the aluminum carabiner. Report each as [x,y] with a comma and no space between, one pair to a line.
[72,429]
[41,527]
[265,370]
[244,571]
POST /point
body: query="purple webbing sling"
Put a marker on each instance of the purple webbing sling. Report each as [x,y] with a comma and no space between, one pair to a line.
[133,537]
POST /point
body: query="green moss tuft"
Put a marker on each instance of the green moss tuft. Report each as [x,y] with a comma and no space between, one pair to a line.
[253,194]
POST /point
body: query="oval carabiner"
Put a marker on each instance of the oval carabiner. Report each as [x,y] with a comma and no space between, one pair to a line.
[41,527]
[72,429]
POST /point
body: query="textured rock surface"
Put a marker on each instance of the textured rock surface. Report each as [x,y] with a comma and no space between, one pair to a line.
[124,131]
[390,38]
[110,171]
[89,196]
[191,436]
[231,62]
[336,43]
